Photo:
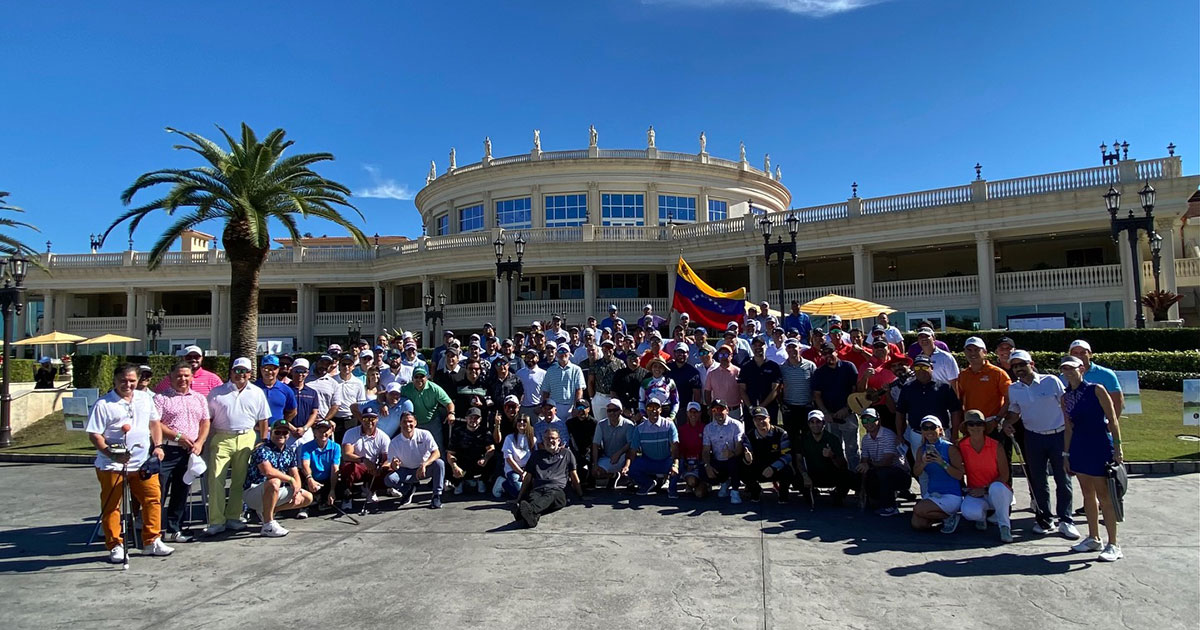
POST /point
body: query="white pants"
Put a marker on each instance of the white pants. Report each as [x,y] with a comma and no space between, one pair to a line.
[917,442]
[610,467]
[999,498]
[600,405]
[948,503]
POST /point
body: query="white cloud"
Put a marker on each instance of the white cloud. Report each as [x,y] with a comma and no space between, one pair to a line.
[384,188]
[812,8]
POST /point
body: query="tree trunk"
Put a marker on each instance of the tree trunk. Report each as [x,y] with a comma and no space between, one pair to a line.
[245,264]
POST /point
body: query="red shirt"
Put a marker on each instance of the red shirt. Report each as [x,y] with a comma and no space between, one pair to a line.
[691,440]
[644,361]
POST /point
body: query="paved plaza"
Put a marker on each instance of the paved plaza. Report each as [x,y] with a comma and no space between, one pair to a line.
[622,562]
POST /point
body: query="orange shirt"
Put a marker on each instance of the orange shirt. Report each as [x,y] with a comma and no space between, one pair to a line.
[985,390]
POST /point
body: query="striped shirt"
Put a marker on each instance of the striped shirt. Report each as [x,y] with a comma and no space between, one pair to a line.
[560,382]
[181,413]
[797,385]
[874,449]
[654,439]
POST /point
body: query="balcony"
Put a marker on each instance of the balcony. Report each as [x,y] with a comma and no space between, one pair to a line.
[95,326]
[901,290]
[336,322]
[1099,276]
[1187,273]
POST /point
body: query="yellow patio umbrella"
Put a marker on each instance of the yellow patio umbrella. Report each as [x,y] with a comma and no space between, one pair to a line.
[53,338]
[846,307]
[108,339]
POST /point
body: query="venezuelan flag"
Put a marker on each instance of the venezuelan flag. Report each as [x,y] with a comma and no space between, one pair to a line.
[705,305]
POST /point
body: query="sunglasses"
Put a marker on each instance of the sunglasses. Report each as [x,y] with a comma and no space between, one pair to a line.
[1016,364]
[612,410]
[929,427]
[280,432]
[241,370]
[816,421]
[974,423]
[921,368]
[299,371]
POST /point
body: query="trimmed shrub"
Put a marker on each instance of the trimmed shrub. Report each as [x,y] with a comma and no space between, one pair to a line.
[96,370]
[1165,381]
[1102,339]
[21,370]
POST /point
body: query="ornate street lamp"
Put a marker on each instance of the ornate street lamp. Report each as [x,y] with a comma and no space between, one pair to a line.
[154,325]
[432,317]
[12,302]
[1131,225]
[779,247]
[509,268]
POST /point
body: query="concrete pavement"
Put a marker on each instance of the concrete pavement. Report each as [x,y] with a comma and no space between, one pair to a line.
[622,562]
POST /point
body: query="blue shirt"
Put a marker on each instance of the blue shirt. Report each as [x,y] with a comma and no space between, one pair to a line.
[561,382]
[280,397]
[800,322]
[654,440]
[283,461]
[940,481]
[1099,375]
[307,399]
[321,461]
[611,323]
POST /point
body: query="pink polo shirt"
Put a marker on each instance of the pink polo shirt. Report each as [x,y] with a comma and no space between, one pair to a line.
[181,413]
[203,382]
[723,384]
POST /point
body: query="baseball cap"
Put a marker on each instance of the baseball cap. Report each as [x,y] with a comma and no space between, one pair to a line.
[529,351]
[608,342]
[718,402]
[816,414]
[792,342]
[682,347]
[334,348]
[1080,343]
[700,329]
[693,406]
[923,360]
[300,363]
[758,341]
[325,357]
[563,349]
[500,360]
[280,424]
[488,325]
[141,368]
[835,318]
[44,360]
[975,341]
[1020,355]
[447,333]
[193,350]
[656,400]
[932,419]
[581,403]
[612,308]
[925,331]
[879,343]
[474,411]
[270,359]
[878,328]
[616,402]
[420,371]
[243,362]
[1070,361]
[392,387]
[510,399]
[1006,340]
[346,358]
[369,410]
[366,354]
[869,415]
[760,412]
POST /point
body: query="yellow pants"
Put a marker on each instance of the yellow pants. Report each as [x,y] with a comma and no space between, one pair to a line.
[144,491]
[226,452]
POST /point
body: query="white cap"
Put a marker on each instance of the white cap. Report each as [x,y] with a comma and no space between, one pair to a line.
[816,414]
[196,469]
[925,331]
[190,349]
[392,387]
[243,362]
[657,399]
[934,419]
[366,354]
[869,412]
[300,363]
[512,399]
[1080,343]
[1020,355]
[616,402]
[975,341]
[1070,361]
[693,406]
[682,346]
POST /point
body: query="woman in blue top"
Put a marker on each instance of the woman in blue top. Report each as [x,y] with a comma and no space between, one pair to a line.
[942,463]
[1092,440]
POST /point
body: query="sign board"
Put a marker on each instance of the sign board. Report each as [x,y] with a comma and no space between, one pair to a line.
[1037,321]
[75,413]
[1191,402]
[1132,391]
[281,345]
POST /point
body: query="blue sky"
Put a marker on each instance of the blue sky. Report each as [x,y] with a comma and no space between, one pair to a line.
[898,95]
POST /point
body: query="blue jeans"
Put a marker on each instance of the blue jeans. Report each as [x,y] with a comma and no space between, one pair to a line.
[512,484]
[643,470]
[436,472]
[1039,451]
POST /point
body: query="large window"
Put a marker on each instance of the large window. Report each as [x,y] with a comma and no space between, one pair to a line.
[470,218]
[553,287]
[623,209]
[470,292]
[512,214]
[632,285]
[1077,315]
[566,210]
[676,209]
[718,210]
[441,225]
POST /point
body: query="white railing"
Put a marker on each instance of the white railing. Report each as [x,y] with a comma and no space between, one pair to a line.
[925,287]
[577,154]
[1187,268]
[336,254]
[709,228]
[914,200]
[512,159]
[182,322]
[1151,169]
[813,214]
[631,233]
[280,255]
[469,239]
[277,320]
[87,260]
[141,258]
[573,234]
[96,326]
[678,155]
[1051,182]
[339,319]
[1053,279]
[471,315]
[629,309]
[808,294]
[185,258]
[622,153]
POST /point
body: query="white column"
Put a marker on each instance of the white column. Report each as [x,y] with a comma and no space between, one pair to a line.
[1168,280]
[758,278]
[985,265]
[537,211]
[378,311]
[305,313]
[141,303]
[214,325]
[48,305]
[864,272]
[130,318]
[702,205]
[589,293]
[489,211]
[651,205]
[671,273]
[593,204]
[500,319]
[1127,280]
[389,307]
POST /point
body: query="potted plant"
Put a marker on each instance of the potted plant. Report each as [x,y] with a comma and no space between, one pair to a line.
[1159,302]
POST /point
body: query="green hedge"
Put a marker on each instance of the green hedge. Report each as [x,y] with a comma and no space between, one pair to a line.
[21,370]
[96,370]
[1101,339]
[1165,381]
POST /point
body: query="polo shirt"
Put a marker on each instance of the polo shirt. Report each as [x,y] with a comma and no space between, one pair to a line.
[799,321]
[984,390]
[612,439]
[1039,404]
[775,353]
[237,410]
[723,383]
[877,447]
[321,461]
[181,413]
[811,449]
[945,368]
[771,449]
[687,382]
[325,387]
[1100,375]
[691,440]
[654,439]
[368,447]
[723,438]
[203,381]
[918,400]
[882,376]
[412,452]
[914,349]
[603,371]
[541,427]
[611,323]
[307,399]
[531,379]
[835,383]
[280,398]
[550,470]
[468,444]
[425,401]
[106,418]
[347,392]
[759,379]
[283,460]
[560,382]
[797,382]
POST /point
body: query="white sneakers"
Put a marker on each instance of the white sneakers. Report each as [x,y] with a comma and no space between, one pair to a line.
[177,537]
[273,529]
[159,548]
[1111,553]
[1068,530]
[116,555]
[1086,545]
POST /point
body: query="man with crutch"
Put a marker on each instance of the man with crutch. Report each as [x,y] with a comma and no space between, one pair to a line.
[124,428]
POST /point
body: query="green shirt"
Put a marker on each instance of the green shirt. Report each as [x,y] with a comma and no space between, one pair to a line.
[425,401]
[814,460]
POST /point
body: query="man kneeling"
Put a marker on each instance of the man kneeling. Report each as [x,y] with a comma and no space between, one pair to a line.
[546,474]
[470,453]
[273,481]
[413,456]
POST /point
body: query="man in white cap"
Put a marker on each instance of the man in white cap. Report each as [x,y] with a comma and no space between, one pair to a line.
[185,426]
[611,322]
[649,319]
[1098,374]
[1035,403]
[308,401]
[984,387]
[945,368]
[654,447]
[610,445]
[236,408]
[203,381]
[349,390]
[563,383]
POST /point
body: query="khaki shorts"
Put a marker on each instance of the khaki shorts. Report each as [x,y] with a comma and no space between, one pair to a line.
[253,496]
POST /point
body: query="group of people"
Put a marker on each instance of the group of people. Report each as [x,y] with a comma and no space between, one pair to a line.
[772,403]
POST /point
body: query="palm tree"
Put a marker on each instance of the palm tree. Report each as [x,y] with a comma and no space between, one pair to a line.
[8,244]
[245,187]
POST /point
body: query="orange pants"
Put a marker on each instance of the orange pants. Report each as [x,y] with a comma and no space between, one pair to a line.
[144,491]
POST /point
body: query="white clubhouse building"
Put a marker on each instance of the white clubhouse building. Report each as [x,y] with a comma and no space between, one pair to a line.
[606,226]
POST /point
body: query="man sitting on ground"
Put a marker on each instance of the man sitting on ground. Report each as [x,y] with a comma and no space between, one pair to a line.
[319,463]
[413,456]
[767,456]
[654,448]
[470,453]
[722,448]
[364,450]
[544,488]
[273,481]
[823,462]
[881,462]
[610,445]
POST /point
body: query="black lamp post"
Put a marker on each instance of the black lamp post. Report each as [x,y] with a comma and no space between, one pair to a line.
[432,317]
[95,242]
[779,247]
[154,325]
[353,333]
[12,302]
[509,268]
[1130,225]
[1156,243]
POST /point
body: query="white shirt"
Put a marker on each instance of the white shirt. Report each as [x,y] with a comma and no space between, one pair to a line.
[945,368]
[531,379]
[326,387]
[776,354]
[704,374]
[112,411]
[367,447]
[237,410]
[347,393]
[516,447]
[1038,403]
[402,374]
[893,335]
[412,452]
